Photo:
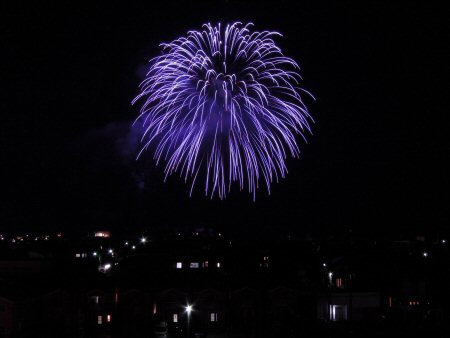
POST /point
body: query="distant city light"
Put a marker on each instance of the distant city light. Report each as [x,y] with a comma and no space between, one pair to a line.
[94,254]
[189,309]
[104,234]
[143,240]
[126,243]
[110,251]
[133,247]
[330,276]
[324,265]
[444,241]
[425,254]
[179,265]
[104,268]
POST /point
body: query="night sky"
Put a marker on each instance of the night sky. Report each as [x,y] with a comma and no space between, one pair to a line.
[375,164]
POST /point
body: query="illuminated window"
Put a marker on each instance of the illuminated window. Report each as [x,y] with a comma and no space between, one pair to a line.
[213,317]
[99,320]
[205,264]
[108,318]
[339,283]
[194,265]
[218,264]
[77,255]
[179,265]
[338,313]
[175,318]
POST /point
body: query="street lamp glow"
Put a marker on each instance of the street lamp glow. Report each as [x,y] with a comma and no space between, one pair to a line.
[189,309]
[143,240]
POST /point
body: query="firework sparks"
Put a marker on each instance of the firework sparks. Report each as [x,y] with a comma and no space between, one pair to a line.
[223,103]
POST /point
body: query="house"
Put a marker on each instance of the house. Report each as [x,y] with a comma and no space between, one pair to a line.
[355,306]
[15,311]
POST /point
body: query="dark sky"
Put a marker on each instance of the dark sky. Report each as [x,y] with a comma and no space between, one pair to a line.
[375,164]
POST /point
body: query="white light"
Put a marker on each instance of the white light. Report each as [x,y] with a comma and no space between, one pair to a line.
[94,254]
[143,240]
[179,265]
[107,266]
[133,247]
[110,251]
[189,309]
[444,241]
[126,243]
[425,254]
[324,265]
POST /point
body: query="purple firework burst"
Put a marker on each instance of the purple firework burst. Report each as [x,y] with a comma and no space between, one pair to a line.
[223,102]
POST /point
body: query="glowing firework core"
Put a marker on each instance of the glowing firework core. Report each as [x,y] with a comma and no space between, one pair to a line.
[223,102]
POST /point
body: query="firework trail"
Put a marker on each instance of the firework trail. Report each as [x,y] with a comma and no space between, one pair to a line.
[223,103]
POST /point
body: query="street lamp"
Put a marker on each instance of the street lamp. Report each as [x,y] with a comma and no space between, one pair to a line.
[188,311]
